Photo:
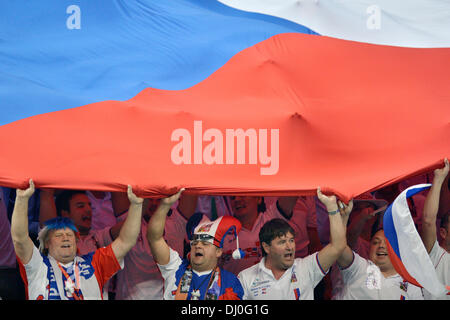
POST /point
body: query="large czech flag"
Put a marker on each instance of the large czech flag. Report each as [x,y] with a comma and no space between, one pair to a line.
[221,97]
[405,247]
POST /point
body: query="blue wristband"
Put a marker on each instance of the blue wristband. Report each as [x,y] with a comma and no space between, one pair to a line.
[332,213]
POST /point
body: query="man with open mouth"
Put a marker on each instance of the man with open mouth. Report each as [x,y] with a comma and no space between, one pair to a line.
[55,271]
[366,215]
[252,212]
[76,205]
[198,277]
[374,278]
[281,276]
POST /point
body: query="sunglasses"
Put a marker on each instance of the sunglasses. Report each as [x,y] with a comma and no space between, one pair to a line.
[203,238]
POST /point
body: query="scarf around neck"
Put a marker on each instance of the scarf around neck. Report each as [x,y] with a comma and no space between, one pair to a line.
[185,286]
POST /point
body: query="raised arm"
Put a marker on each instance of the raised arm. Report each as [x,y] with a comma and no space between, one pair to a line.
[131,227]
[23,245]
[431,207]
[338,216]
[155,230]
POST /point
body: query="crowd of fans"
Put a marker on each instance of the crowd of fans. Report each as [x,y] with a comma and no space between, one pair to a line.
[74,245]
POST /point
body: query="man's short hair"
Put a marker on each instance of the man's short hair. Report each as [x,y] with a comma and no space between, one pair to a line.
[273,229]
[62,201]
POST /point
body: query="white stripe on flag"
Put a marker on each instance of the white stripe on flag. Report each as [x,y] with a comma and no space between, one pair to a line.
[405,23]
[412,250]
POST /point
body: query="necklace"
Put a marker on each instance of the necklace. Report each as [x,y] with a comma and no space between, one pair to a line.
[195,295]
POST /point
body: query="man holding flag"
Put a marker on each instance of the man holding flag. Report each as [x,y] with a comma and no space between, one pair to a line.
[55,271]
[438,253]
[374,278]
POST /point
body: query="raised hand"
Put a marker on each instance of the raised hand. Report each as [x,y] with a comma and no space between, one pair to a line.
[329,201]
[441,174]
[132,197]
[26,193]
[172,199]
[345,210]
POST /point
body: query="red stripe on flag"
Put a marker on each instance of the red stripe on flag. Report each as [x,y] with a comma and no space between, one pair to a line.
[399,266]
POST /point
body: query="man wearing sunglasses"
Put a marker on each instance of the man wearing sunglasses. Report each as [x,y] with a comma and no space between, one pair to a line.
[198,277]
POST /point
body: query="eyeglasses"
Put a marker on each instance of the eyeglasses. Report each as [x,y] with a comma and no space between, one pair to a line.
[203,238]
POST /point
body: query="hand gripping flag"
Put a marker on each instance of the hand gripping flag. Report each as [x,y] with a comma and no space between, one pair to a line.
[220,100]
[405,247]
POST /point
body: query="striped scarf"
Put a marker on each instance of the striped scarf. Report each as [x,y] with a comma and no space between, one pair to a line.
[184,286]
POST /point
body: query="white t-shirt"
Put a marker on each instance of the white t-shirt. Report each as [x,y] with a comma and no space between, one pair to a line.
[441,261]
[362,248]
[44,280]
[363,280]
[94,240]
[297,282]
[141,279]
[168,273]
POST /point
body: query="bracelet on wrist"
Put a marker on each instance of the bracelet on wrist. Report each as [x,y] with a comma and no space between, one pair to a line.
[332,213]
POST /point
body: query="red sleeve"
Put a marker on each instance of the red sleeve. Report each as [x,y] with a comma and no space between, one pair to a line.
[23,275]
[229,295]
[105,264]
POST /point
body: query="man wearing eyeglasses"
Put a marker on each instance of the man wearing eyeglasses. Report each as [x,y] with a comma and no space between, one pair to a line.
[198,277]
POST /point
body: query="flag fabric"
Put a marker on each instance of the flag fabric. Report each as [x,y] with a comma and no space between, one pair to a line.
[406,23]
[216,99]
[405,247]
[62,54]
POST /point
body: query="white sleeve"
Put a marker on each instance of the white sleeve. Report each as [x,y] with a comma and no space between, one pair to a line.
[436,253]
[36,273]
[168,273]
[315,271]
[241,277]
[353,270]
[441,261]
